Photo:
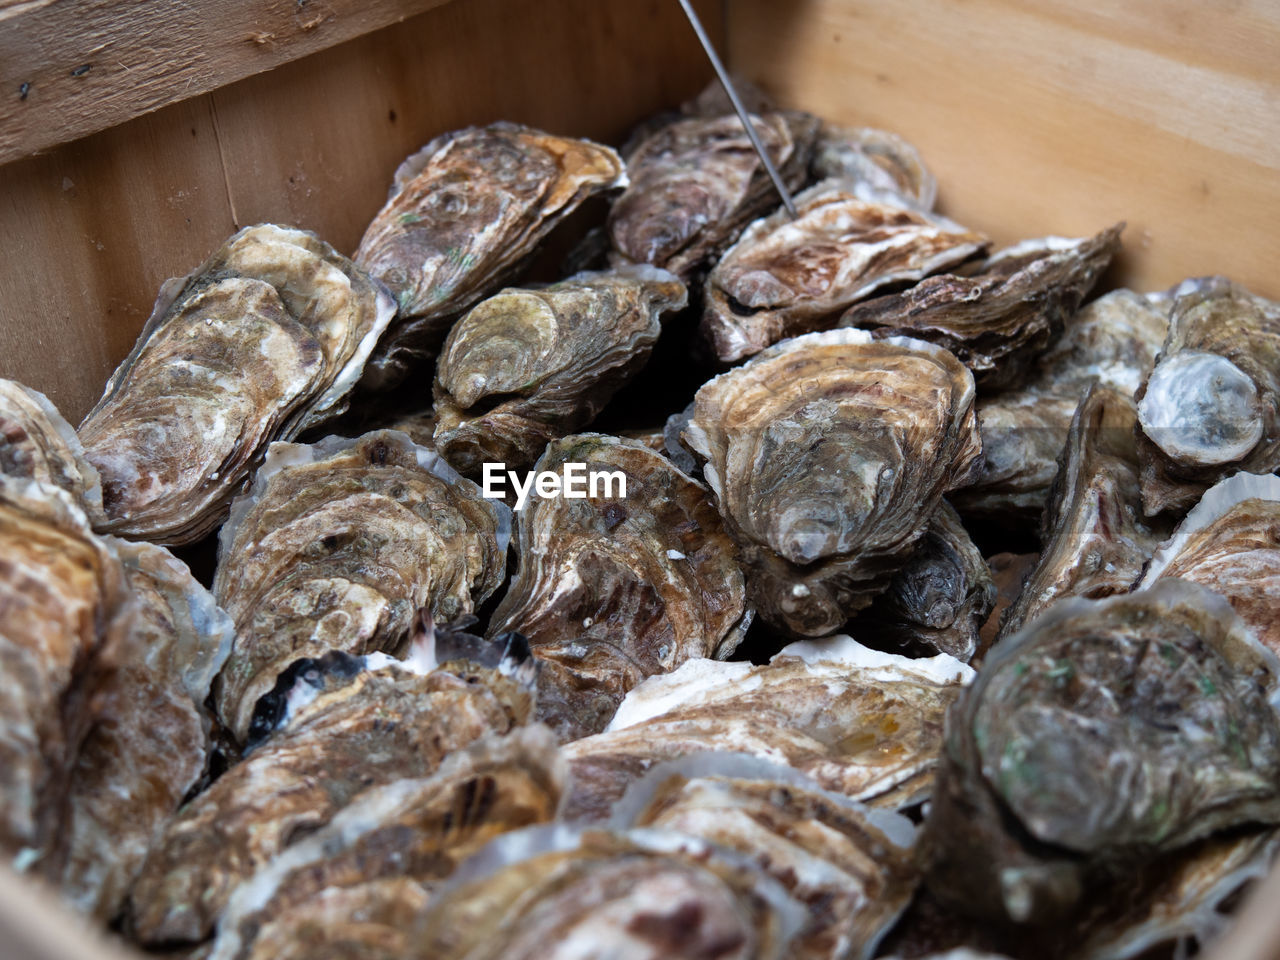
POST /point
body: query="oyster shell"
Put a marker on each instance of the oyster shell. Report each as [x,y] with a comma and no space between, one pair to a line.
[267,337]
[785,277]
[464,212]
[1230,542]
[63,600]
[696,182]
[828,455]
[879,161]
[619,586]
[151,738]
[1211,406]
[527,366]
[337,546]
[388,850]
[1068,758]
[334,728]
[555,893]
[862,723]
[38,444]
[848,864]
[938,601]
[997,315]
[1096,538]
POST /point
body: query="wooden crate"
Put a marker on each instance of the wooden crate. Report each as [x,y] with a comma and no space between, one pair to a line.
[135,137]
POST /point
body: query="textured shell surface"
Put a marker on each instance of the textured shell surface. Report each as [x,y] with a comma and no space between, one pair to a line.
[414,830]
[612,589]
[862,723]
[1069,754]
[527,366]
[558,892]
[266,337]
[785,277]
[696,182]
[878,159]
[1211,406]
[848,864]
[337,546]
[998,315]
[151,736]
[463,214]
[828,455]
[352,724]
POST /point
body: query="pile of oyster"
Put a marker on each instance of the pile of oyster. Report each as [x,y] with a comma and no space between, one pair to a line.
[790,671]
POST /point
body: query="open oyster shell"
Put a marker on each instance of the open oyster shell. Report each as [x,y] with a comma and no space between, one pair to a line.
[876,159]
[38,444]
[848,864]
[1096,538]
[696,182]
[1211,406]
[1068,757]
[862,723]
[938,601]
[463,214]
[387,851]
[337,546]
[556,893]
[621,585]
[785,277]
[338,726]
[527,366]
[267,337]
[1230,542]
[151,737]
[828,455]
[63,600]
[996,316]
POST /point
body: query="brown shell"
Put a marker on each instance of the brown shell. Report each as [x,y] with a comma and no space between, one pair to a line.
[463,214]
[785,277]
[337,546]
[527,366]
[828,455]
[875,159]
[267,337]
[615,588]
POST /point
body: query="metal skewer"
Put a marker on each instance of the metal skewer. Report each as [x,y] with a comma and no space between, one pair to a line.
[725,82]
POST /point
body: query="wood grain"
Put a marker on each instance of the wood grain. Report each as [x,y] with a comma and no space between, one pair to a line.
[1041,117]
[68,69]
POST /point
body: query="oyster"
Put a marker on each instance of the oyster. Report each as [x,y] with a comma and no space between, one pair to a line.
[267,337]
[696,182]
[1211,406]
[938,601]
[63,600]
[151,737]
[353,888]
[862,723]
[784,277]
[633,580]
[333,728]
[527,366]
[997,315]
[1230,542]
[463,214]
[880,161]
[848,864]
[828,455]
[38,444]
[556,893]
[337,546]
[1068,760]
[1096,538]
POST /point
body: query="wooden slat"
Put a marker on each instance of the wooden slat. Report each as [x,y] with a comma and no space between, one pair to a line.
[69,68]
[1042,117]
